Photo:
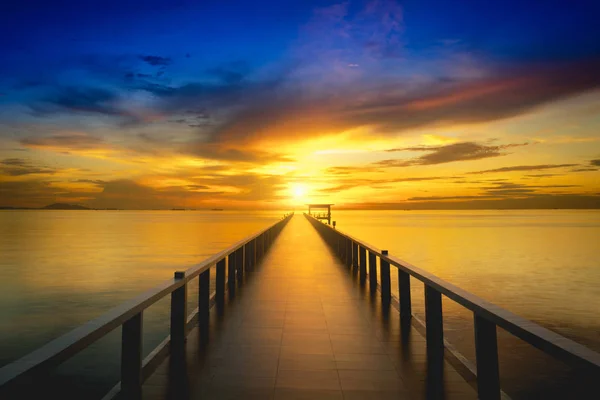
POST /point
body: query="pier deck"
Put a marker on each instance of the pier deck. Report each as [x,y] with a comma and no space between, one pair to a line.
[302,327]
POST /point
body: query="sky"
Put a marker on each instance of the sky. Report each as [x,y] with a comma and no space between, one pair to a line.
[375,104]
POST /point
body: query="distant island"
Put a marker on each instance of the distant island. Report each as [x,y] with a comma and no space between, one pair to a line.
[65,206]
[54,206]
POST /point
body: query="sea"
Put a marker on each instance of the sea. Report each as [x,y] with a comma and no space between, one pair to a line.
[59,269]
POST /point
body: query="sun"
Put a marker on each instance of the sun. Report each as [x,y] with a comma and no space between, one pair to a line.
[298,191]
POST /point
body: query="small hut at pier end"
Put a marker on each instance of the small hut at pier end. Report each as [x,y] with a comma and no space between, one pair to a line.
[320,211]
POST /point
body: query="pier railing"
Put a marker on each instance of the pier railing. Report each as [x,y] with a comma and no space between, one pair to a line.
[354,253]
[238,258]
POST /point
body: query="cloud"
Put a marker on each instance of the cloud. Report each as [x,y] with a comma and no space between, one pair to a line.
[511,189]
[230,73]
[524,168]
[439,198]
[595,163]
[65,141]
[542,201]
[14,162]
[543,175]
[463,151]
[98,182]
[156,60]
[30,193]
[79,99]
[584,170]
[19,167]
[393,105]
[125,193]
[35,192]
[348,170]
[345,184]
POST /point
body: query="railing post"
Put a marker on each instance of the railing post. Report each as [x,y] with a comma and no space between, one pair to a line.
[258,249]
[349,253]
[363,264]
[178,317]
[405,300]
[354,254]
[247,257]
[220,283]
[372,271]
[131,357]
[486,353]
[203,301]
[434,329]
[384,271]
[231,273]
[240,264]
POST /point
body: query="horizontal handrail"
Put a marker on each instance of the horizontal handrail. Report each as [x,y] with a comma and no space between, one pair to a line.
[544,339]
[66,346]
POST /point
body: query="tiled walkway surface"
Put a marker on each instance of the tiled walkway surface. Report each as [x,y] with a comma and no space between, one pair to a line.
[301,327]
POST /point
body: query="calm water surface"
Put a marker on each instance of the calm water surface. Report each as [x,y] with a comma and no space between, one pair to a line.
[59,269]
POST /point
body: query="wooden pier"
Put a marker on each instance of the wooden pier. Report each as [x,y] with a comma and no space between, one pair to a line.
[300,312]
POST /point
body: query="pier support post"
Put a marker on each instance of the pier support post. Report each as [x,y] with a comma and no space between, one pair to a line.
[486,349]
[178,317]
[220,283]
[373,272]
[131,357]
[384,271]
[203,302]
[363,264]
[405,298]
[354,254]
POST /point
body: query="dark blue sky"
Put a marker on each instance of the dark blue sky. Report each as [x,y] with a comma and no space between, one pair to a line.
[40,38]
